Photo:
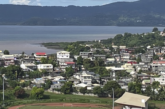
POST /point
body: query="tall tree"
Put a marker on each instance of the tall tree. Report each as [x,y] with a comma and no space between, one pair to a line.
[67,88]
[155,29]
[6,52]
[37,93]
[83,90]
[79,60]
[69,71]
[19,92]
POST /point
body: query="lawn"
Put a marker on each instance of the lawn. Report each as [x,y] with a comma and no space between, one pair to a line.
[57,107]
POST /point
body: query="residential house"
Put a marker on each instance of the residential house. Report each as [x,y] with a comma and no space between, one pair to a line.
[160,79]
[65,62]
[110,60]
[63,54]
[40,55]
[128,67]
[8,60]
[46,67]
[86,77]
[157,50]
[163,50]
[28,66]
[146,58]
[86,55]
[125,57]
[117,57]
[100,56]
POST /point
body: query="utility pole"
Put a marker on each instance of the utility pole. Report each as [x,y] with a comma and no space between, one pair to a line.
[3,91]
[4,78]
[113,97]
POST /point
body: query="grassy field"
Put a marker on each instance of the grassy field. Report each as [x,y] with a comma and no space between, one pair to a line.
[56,107]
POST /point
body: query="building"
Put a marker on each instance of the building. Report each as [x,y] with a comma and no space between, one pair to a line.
[125,57]
[63,54]
[40,55]
[103,57]
[46,67]
[86,55]
[28,66]
[86,77]
[133,101]
[65,62]
[8,60]
[160,79]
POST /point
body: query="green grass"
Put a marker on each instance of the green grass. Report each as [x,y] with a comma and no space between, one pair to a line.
[56,107]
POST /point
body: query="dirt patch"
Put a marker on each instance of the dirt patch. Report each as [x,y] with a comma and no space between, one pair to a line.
[62,104]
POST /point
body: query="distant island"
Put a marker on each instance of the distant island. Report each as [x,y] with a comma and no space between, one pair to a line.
[138,13]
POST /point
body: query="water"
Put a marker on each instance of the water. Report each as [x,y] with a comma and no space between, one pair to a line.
[25,38]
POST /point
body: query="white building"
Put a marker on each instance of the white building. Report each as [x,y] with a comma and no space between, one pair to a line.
[40,55]
[160,79]
[28,66]
[47,67]
[63,54]
[86,77]
[8,59]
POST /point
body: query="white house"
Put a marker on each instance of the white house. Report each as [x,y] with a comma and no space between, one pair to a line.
[63,54]
[47,67]
[66,62]
[86,77]
[160,79]
[8,59]
[40,55]
[28,66]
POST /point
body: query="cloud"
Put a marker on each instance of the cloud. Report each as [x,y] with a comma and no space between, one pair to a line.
[25,2]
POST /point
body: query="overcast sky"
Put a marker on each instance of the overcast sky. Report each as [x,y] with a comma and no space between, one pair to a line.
[61,2]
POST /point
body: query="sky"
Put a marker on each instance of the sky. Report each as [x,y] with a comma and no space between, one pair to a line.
[61,2]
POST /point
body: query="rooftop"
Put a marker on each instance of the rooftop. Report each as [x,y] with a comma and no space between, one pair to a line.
[131,99]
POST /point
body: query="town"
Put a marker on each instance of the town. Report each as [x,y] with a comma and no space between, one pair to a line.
[91,69]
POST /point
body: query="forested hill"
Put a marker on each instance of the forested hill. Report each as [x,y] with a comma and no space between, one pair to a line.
[139,13]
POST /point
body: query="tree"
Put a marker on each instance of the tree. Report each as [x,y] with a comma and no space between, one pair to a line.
[37,93]
[6,52]
[83,90]
[13,84]
[111,84]
[47,84]
[67,88]
[98,91]
[148,91]
[44,60]
[139,59]
[156,57]
[79,60]
[19,92]
[69,71]
[87,63]
[135,87]
[155,29]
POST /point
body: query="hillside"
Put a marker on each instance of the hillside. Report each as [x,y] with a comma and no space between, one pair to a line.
[139,13]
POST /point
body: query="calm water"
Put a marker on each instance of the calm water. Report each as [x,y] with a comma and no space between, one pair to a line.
[25,38]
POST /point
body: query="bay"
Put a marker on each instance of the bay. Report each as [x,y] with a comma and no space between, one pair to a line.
[17,39]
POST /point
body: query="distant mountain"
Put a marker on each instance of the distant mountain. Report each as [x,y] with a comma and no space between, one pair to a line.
[139,13]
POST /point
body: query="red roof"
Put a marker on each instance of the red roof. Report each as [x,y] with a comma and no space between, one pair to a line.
[40,53]
[70,62]
[158,62]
